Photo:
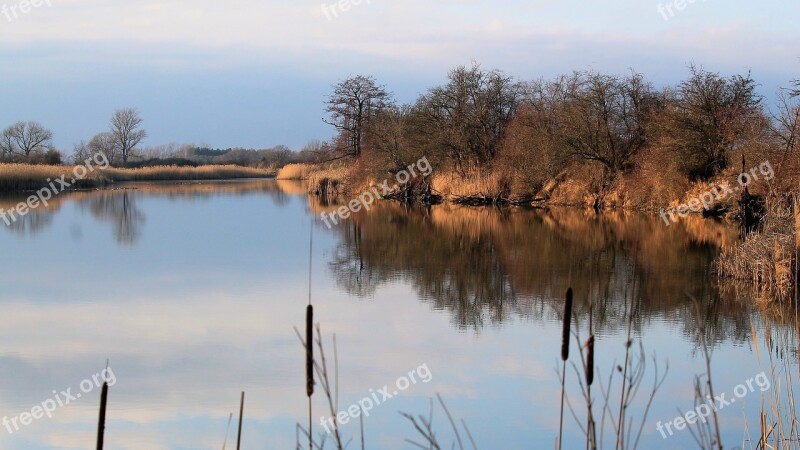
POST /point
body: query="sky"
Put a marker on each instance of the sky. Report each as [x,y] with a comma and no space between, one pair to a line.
[255,73]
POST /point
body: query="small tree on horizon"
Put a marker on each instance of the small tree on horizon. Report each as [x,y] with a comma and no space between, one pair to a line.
[126,132]
[25,139]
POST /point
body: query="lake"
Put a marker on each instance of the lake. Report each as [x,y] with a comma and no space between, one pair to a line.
[191,292]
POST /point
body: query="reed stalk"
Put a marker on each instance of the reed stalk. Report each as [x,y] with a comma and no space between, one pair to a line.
[101,423]
[241,416]
[564,357]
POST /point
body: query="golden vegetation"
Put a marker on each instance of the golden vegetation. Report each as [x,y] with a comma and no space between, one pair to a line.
[294,172]
[766,260]
[21,177]
[168,173]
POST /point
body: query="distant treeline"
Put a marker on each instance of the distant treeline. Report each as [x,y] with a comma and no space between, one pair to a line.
[31,142]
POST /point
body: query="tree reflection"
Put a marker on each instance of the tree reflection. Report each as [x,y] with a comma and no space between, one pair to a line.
[118,208]
[36,221]
[485,266]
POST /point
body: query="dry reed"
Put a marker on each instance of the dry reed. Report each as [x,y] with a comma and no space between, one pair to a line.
[295,172]
[765,259]
[28,177]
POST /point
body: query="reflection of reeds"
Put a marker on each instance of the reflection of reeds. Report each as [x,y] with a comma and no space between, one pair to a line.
[778,424]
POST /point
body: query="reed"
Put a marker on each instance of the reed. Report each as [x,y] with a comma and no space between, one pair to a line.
[564,357]
[241,416]
[294,172]
[765,260]
[174,173]
[28,177]
[309,350]
[101,422]
[480,187]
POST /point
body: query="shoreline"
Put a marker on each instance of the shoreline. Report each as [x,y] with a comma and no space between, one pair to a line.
[22,178]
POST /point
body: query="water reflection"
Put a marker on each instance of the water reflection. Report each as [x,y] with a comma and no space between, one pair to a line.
[189,320]
[486,265]
[118,205]
[119,209]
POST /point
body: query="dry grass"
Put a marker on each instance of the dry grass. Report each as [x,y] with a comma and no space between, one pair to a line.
[330,181]
[26,177]
[477,184]
[171,173]
[766,260]
[295,172]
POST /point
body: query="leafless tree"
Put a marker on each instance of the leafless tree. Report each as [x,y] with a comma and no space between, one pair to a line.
[25,139]
[126,131]
[104,143]
[786,122]
[80,152]
[353,103]
[468,116]
[713,116]
[605,118]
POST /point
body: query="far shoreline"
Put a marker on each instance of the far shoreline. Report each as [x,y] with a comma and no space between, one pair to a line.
[20,178]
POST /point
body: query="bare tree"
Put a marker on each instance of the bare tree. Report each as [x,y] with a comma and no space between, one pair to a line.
[26,138]
[713,116]
[786,122]
[126,131]
[6,146]
[104,143]
[468,116]
[605,118]
[80,153]
[353,103]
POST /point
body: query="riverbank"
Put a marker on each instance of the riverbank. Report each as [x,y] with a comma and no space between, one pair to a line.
[765,258]
[28,177]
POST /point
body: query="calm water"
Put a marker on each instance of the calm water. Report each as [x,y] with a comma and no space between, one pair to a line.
[192,292]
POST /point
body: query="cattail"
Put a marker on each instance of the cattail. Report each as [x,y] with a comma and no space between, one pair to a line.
[309,350]
[590,360]
[241,417]
[565,330]
[101,423]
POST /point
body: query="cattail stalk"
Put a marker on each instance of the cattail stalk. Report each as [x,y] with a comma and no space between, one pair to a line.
[564,357]
[309,350]
[241,415]
[310,366]
[565,329]
[101,423]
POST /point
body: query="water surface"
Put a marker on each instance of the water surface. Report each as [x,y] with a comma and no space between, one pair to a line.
[192,290]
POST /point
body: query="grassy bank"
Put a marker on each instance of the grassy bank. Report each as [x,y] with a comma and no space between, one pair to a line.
[26,177]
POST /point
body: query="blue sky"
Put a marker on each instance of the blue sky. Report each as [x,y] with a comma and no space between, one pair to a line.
[255,73]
